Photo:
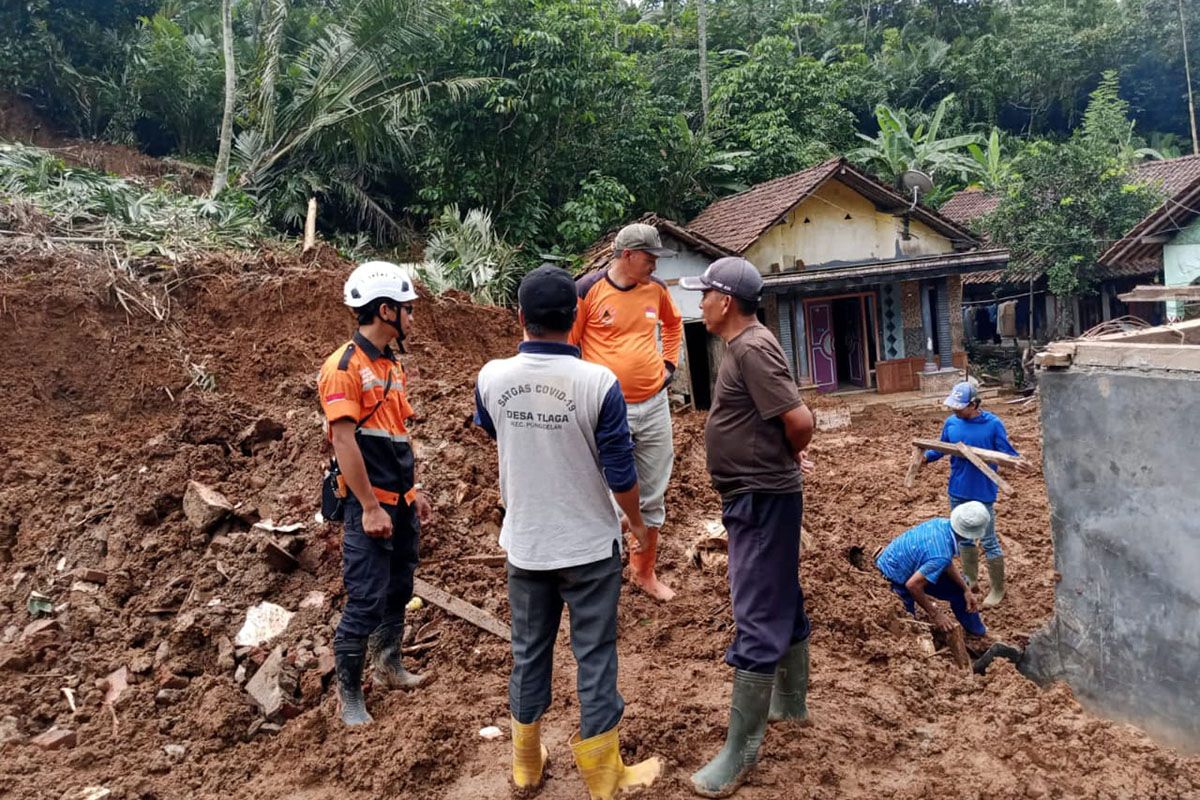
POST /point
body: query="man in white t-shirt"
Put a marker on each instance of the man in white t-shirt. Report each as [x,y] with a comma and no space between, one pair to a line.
[564,445]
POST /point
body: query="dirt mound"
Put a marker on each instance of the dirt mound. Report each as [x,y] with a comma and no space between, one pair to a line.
[21,122]
[113,412]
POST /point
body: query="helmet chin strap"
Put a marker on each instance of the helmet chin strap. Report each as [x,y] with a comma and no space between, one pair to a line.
[397,326]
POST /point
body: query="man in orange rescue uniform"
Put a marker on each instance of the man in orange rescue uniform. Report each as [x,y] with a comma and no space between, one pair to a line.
[362,391]
[619,312]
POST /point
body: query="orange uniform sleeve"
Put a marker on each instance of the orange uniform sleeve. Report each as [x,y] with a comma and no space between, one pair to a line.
[340,392]
[581,312]
[672,327]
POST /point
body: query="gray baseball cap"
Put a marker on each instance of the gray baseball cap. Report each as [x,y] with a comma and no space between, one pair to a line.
[731,275]
[640,236]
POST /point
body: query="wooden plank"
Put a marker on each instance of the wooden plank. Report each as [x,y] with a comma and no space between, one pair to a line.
[968,452]
[461,609]
[1050,359]
[1158,294]
[914,467]
[1130,355]
[986,455]
[497,560]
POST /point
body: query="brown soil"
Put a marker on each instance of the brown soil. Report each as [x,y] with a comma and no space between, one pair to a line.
[20,122]
[108,422]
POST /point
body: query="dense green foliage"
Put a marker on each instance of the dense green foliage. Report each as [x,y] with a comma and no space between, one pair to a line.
[560,118]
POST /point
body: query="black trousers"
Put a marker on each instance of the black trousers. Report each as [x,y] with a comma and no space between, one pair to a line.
[377,573]
[536,598]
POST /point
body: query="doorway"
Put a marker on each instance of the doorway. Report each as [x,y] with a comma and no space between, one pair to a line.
[842,344]
[695,340]
[848,343]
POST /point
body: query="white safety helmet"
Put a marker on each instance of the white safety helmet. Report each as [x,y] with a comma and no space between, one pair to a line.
[375,279]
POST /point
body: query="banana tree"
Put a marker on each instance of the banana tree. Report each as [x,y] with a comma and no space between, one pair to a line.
[899,146]
[992,168]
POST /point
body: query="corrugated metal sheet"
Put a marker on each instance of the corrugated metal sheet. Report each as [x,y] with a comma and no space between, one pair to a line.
[785,334]
[945,346]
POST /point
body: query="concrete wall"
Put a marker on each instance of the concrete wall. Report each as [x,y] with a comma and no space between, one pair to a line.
[1122,468]
[827,237]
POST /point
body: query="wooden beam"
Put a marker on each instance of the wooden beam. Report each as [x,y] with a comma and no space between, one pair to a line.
[1157,294]
[461,609]
[1135,355]
[914,466]
[1051,359]
[968,452]
[986,455]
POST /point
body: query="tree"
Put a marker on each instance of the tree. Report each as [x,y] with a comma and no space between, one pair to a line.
[992,168]
[221,170]
[899,146]
[702,47]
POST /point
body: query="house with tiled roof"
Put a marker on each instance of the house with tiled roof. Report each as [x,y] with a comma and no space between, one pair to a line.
[862,285]
[1159,249]
[1166,243]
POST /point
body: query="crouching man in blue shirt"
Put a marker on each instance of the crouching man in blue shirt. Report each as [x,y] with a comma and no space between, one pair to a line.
[919,563]
[978,428]
[564,444]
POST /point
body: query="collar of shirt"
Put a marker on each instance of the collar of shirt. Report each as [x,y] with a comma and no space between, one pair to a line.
[371,350]
[549,349]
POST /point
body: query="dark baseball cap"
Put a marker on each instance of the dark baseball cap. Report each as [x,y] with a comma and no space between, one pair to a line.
[546,295]
[732,275]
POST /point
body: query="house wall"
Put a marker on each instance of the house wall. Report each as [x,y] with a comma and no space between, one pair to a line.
[828,237]
[954,288]
[1181,263]
[688,262]
[1126,627]
[911,319]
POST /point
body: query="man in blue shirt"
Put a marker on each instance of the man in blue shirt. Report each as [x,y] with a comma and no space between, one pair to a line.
[973,426]
[919,564]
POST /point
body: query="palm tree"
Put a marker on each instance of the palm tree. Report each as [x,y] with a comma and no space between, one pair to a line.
[221,170]
[897,149]
[350,110]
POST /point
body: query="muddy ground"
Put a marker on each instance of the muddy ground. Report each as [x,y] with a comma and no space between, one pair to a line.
[112,412]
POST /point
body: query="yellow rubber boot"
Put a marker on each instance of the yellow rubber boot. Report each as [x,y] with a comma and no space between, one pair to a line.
[529,756]
[599,761]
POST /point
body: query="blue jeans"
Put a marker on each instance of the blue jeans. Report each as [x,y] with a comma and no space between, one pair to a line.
[951,592]
[536,598]
[990,541]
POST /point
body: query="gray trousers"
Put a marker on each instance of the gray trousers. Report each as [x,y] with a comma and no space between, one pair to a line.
[536,598]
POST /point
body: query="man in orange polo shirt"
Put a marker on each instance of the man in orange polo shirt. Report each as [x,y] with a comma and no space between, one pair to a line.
[362,392]
[617,324]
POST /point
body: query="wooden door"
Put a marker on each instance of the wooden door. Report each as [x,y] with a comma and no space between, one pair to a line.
[822,356]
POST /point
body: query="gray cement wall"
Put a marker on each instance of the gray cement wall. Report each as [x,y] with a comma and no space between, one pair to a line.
[1122,467]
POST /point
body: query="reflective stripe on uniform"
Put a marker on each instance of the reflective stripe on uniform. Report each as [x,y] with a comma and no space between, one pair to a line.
[383,434]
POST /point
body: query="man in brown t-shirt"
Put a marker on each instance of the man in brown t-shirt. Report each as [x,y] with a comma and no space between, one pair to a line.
[756,435]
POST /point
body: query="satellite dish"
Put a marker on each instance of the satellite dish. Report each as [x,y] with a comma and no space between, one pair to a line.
[916,182]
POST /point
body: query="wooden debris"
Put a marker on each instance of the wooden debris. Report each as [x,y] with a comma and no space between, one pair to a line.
[461,609]
[986,455]
[489,560]
[958,647]
[914,466]
[969,454]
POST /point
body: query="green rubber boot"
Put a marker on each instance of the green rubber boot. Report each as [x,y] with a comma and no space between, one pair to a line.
[389,670]
[970,564]
[996,578]
[727,771]
[789,698]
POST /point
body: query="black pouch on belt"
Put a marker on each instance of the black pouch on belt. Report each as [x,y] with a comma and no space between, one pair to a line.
[333,493]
